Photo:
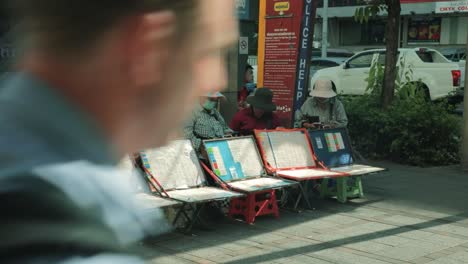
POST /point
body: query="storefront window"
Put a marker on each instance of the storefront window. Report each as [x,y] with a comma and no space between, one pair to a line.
[354,33]
[424,30]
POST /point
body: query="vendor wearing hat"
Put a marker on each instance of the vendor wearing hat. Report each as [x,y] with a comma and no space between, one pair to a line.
[322,109]
[258,116]
[206,121]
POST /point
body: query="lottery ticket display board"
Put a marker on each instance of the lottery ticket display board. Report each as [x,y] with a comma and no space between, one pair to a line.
[289,154]
[175,166]
[237,162]
[333,148]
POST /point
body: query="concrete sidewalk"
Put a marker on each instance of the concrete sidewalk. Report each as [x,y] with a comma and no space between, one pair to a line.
[409,215]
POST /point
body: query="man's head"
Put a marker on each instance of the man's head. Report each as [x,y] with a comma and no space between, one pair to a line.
[262,102]
[323,91]
[210,100]
[137,66]
[248,74]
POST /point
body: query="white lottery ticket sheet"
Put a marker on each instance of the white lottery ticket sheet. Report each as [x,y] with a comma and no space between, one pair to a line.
[260,183]
[290,149]
[307,173]
[175,166]
[202,194]
[358,169]
[244,151]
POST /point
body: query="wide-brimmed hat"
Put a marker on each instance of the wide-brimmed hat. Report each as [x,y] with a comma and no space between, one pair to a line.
[323,88]
[214,95]
[262,99]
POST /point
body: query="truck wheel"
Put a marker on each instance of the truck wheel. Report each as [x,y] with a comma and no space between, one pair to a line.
[425,90]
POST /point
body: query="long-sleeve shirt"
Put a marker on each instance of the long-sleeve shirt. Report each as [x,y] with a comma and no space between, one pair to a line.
[205,124]
[245,122]
[334,114]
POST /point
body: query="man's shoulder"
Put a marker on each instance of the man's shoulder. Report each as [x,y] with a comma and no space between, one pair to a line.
[244,112]
[338,103]
[90,196]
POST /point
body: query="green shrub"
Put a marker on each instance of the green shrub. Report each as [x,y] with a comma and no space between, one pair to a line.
[413,130]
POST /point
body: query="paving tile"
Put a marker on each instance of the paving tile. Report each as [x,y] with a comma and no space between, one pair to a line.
[369,246]
[422,260]
[346,257]
[404,220]
[406,253]
[301,259]
[170,260]
[393,240]
[460,256]
[446,261]
[209,252]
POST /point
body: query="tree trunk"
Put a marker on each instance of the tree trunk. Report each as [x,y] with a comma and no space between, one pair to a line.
[392,31]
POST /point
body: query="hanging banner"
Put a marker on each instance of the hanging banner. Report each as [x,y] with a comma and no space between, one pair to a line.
[285,25]
[305,47]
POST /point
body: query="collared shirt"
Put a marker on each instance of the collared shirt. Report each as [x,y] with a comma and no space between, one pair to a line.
[333,114]
[245,122]
[59,187]
[205,124]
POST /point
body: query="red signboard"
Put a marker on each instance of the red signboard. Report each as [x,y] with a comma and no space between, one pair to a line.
[282,30]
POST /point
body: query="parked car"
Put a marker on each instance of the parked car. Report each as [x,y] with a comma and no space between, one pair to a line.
[457,55]
[323,63]
[437,75]
[335,53]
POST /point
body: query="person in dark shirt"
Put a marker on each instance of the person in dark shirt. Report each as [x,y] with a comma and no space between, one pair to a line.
[247,89]
[260,114]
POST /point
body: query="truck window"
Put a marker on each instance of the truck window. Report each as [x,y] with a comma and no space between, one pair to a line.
[428,56]
[362,61]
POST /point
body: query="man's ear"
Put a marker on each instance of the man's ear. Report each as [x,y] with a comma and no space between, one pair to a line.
[149,41]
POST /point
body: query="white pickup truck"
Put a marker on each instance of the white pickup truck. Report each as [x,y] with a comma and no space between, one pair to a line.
[438,76]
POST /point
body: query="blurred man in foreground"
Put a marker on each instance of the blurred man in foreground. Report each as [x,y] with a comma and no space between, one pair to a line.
[97,80]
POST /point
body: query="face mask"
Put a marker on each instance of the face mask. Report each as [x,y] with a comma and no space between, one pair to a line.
[210,105]
[323,100]
[250,86]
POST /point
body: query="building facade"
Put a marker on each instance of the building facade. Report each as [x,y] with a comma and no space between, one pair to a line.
[428,23]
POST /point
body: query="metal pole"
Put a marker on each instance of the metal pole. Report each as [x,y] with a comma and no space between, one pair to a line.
[325,29]
[465,118]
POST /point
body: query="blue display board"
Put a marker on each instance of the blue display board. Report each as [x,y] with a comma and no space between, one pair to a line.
[332,147]
[234,158]
[222,161]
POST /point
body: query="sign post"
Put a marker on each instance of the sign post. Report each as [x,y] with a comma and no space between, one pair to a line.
[465,118]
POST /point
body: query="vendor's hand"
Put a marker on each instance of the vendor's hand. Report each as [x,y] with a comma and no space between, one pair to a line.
[307,125]
[330,125]
[311,125]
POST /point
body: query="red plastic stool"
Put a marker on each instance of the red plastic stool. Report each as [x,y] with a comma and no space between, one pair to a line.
[253,205]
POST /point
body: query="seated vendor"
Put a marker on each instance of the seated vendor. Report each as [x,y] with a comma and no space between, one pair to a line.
[206,121]
[322,110]
[259,115]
